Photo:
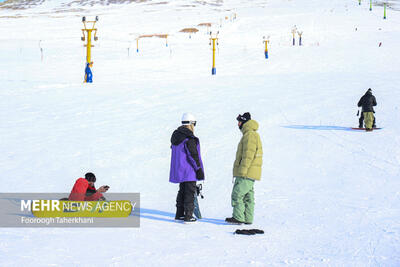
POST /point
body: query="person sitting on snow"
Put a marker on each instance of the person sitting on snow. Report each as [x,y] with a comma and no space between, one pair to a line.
[367,102]
[84,189]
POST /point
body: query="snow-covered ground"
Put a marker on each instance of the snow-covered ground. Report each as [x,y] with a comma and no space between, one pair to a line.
[328,196]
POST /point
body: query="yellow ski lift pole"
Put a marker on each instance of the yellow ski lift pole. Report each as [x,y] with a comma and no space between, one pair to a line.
[266,41]
[88,36]
[214,40]
[384,10]
[294,30]
[137,45]
[300,34]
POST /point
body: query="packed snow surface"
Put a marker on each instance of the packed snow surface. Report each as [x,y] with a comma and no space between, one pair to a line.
[328,196]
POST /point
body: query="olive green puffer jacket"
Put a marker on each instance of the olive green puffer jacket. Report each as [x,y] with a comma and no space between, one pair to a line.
[249,153]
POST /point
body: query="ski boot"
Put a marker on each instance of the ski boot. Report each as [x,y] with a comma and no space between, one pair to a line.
[233,221]
[190,219]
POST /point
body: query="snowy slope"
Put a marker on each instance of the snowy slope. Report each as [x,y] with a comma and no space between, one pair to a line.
[328,196]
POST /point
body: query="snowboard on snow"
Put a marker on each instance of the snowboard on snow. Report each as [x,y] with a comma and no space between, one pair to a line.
[196,210]
[69,208]
[363,129]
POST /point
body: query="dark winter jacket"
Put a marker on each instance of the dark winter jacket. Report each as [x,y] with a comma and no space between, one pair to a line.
[367,102]
[185,158]
[82,191]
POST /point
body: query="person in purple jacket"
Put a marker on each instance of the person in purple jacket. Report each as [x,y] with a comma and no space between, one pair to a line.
[186,167]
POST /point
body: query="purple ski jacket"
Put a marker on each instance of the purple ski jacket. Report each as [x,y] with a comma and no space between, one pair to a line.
[185,157]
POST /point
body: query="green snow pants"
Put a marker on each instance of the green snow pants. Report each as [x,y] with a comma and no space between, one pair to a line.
[243,199]
[369,119]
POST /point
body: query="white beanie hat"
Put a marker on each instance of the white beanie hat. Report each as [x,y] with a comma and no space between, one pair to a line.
[188,118]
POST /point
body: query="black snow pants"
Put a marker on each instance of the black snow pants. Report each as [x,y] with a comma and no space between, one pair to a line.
[185,199]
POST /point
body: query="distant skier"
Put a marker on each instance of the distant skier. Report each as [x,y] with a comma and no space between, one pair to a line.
[367,102]
[88,73]
[246,169]
[84,189]
[186,167]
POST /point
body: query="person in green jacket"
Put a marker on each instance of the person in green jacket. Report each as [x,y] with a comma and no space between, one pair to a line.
[246,169]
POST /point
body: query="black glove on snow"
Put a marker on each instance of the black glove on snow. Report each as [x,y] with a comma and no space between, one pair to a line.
[200,174]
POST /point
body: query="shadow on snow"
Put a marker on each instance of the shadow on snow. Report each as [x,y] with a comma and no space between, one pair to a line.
[318,127]
[165,216]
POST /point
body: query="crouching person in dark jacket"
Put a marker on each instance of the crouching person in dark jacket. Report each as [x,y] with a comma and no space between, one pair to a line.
[367,102]
[186,167]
